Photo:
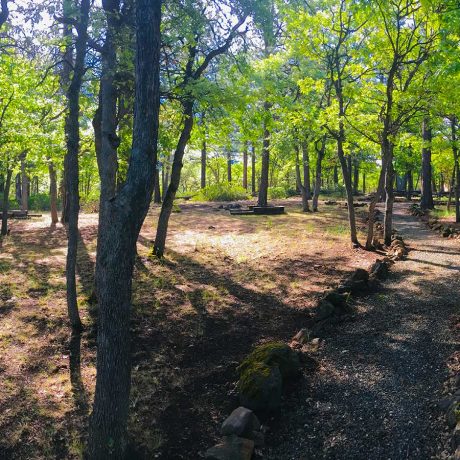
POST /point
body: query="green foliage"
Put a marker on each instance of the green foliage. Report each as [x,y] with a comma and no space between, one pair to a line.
[276,193]
[222,192]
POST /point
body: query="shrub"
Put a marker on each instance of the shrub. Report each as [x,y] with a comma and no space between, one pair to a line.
[39,202]
[275,193]
[222,192]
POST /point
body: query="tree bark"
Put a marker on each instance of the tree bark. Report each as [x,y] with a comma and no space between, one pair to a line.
[156,190]
[6,197]
[53,193]
[4,12]
[300,185]
[336,177]
[456,175]
[253,169]
[389,200]
[168,201]
[229,165]
[245,165]
[355,176]
[204,157]
[306,169]
[318,176]
[24,186]
[364,183]
[125,213]
[426,201]
[72,132]
[264,173]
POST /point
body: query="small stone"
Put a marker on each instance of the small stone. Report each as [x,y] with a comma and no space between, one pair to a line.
[231,448]
[241,422]
[302,336]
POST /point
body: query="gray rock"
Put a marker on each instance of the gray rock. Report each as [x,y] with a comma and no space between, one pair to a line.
[241,422]
[231,448]
[324,310]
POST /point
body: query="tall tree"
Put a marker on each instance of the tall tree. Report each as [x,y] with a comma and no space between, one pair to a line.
[124,214]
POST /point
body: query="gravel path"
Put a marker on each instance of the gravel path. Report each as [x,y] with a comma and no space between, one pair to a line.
[375,395]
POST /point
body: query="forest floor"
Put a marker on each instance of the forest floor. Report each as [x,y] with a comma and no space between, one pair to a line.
[227,284]
[381,376]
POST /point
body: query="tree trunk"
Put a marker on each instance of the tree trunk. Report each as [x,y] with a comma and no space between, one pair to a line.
[355,177]
[6,198]
[53,193]
[72,132]
[318,176]
[364,183]
[253,170]
[117,238]
[264,173]
[306,169]
[376,198]
[245,165]
[389,200]
[456,175]
[156,190]
[336,177]
[168,201]
[24,186]
[300,185]
[229,165]
[18,187]
[426,201]
[204,155]
[410,185]
[167,168]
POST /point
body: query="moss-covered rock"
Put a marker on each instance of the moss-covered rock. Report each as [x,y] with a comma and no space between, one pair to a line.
[273,354]
[262,374]
[260,387]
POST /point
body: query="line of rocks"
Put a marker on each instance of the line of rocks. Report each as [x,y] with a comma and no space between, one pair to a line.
[445,230]
[265,371]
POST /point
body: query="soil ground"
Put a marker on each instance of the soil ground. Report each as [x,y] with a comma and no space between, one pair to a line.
[227,284]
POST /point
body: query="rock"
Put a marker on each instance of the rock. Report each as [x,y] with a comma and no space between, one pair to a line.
[359,275]
[453,414]
[380,269]
[445,403]
[357,282]
[446,232]
[259,439]
[241,422]
[302,336]
[260,388]
[231,448]
[336,299]
[456,436]
[324,310]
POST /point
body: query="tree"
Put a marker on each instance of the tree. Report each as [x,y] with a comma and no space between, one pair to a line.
[124,214]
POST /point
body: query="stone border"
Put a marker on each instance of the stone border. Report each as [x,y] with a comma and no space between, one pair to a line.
[446,231]
[242,432]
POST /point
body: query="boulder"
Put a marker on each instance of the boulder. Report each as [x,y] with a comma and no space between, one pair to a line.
[231,448]
[262,374]
[241,422]
[260,387]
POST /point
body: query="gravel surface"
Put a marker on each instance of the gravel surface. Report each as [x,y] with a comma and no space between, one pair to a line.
[376,392]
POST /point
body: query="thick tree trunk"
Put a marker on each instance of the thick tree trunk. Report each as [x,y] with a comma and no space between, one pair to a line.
[53,193]
[168,201]
[4,12]
[264,173]
[6,198]
[245,165]
[318,176]
[72,132]
[204,157]
[426,201]
[117,238]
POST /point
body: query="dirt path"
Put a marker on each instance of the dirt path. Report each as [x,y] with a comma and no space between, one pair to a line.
[375,396]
